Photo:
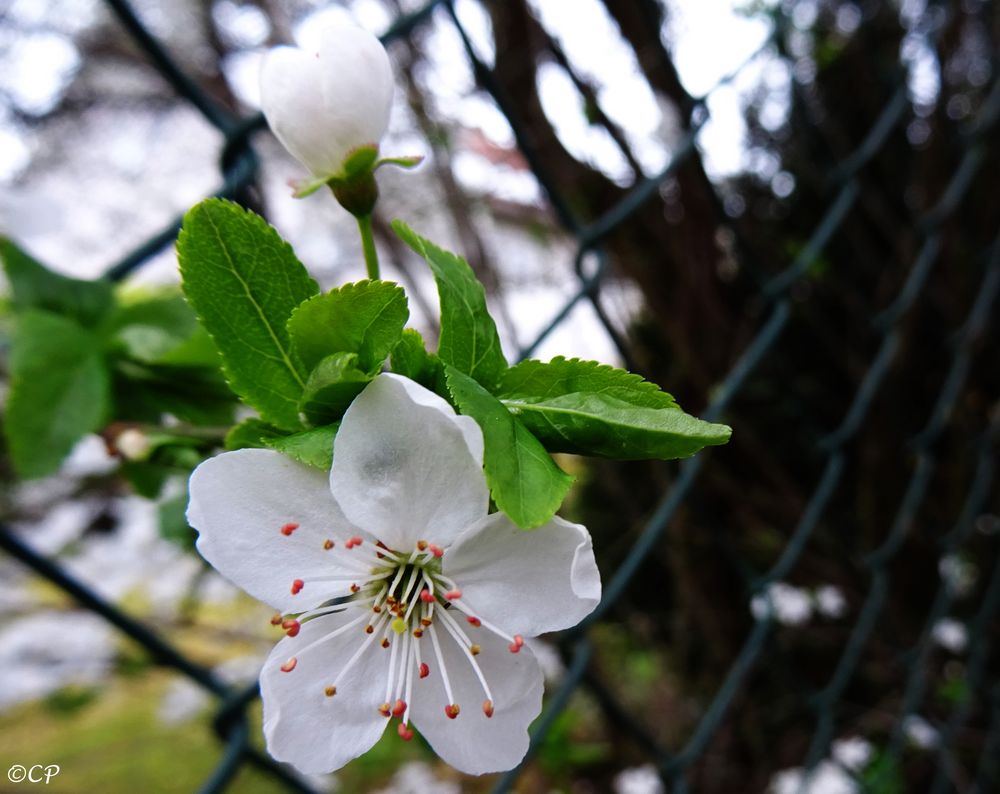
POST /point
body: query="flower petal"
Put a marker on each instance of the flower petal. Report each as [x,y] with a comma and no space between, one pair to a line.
[241,500]
[305,727]
[404,466]
[526,582]
[357,86]
[473,743]
[291,84]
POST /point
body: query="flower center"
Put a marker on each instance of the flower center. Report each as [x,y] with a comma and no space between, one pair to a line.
[404,600]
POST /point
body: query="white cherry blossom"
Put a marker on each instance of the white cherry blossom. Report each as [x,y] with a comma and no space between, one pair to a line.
[325,102]
[402,596]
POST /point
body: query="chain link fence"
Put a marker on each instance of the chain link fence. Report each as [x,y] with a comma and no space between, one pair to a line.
[966,754]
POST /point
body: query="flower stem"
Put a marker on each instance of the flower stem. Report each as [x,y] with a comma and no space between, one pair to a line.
[368,245]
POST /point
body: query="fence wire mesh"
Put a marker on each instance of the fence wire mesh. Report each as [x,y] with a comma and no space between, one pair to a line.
[963,759]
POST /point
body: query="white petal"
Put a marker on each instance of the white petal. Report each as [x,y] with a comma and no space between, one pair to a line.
[239,503]
[357,85]
[323,103]
[303,726]
[526,582]
[472,742]
[291,96]
[404,468]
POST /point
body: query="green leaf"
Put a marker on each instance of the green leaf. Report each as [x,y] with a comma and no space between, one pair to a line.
[143,393]
[411,359]
[173,522]
[59,391]
[593,409]
[251,433]
[312,447]
[366,318]
[524,481]
[33,286]
[469,340]
[331,387]
[162,329]
[243,282]
[536,380]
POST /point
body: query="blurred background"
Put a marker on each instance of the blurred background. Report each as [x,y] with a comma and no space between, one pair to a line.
[785,213]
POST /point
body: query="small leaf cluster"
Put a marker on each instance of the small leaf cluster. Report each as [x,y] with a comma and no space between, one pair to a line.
[299,357]
[85,358]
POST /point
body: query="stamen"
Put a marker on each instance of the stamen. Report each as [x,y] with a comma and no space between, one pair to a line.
[474,621]
[330,691]
[385,710]
[276,619]
[440,661]
[437,551]
[288,666]
[392,672]
[328,544]
[424,670]
[352,541]
[291,627]
[408,690]
[488,708]
[354,658]
[475,650]
[332,634]
[499,632]
[404,732]
[456,633]
[452,710]
[399,709]
[297,586]
[289,528]
[425,596]
[422,545]
[453,595]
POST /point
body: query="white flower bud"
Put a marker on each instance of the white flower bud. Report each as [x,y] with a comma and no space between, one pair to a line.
[133,444]
[324,103]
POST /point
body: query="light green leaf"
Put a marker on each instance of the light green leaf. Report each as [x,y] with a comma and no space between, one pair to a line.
[59,390]
[33,286]
[162,329]
[536,380]
[366,318]
[243,282]
[593,409]
[524,480]
[469,340]
[331,387]
[604,426]
[312,447]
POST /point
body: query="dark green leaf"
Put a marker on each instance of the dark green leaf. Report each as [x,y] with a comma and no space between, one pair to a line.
[312,447]
[144,393]
[593,409]
[33,286]
[524,481]
[331,387]
[243,282]
[366,318]
[469,340]
[58,393]
[173,522]
[411,359]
